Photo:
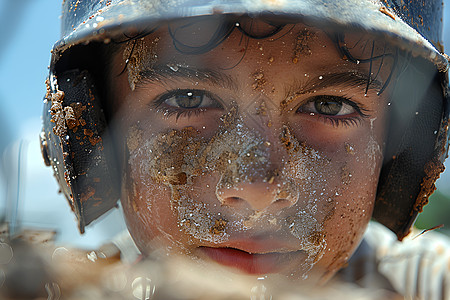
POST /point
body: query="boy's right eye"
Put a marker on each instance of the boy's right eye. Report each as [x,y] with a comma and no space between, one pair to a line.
[187,101]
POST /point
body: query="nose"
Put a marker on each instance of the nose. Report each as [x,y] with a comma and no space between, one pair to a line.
[258,196]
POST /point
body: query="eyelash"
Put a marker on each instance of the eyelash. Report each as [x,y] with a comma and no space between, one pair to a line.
[170,110]
[334,120]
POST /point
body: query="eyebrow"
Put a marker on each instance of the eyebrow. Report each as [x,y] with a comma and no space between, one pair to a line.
[344,79]
[174,71]
[299,87]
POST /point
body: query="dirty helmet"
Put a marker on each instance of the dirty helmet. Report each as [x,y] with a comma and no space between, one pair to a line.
[76,142]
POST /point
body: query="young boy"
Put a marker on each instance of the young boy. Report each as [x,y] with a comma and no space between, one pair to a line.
[260,136]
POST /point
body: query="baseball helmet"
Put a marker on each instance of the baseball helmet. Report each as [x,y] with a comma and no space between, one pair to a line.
[76,142]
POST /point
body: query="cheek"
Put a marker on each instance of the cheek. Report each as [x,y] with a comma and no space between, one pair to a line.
[147,210]
[356,164]
[147,202]
[345,228]
[165,186]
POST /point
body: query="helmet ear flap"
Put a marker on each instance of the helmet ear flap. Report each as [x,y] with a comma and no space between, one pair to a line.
[416,148]
[75,142]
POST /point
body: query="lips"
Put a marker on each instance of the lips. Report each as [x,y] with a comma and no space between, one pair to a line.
[250,263]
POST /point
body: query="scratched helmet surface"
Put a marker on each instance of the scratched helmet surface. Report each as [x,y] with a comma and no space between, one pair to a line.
[75,140]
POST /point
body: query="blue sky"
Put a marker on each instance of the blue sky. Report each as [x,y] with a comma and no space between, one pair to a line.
[28,29]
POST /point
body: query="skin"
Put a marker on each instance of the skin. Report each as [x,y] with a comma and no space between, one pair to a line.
[256,178]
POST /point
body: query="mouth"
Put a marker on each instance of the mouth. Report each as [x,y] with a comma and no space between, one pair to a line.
[251,263]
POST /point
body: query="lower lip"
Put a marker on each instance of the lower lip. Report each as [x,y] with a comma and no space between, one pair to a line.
[248,263]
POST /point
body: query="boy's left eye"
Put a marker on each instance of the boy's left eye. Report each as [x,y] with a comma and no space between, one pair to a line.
[329,106]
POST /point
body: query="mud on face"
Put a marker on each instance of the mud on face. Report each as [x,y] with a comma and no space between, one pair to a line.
[234,157]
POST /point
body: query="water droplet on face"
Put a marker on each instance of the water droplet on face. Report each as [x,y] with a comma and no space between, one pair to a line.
[173,67]
[320,77]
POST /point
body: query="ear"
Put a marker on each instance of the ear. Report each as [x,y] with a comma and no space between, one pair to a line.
[75,142]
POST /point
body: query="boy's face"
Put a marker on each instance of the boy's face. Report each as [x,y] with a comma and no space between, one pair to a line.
[260,154]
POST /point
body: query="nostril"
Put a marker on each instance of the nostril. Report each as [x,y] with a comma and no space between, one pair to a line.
[257,196]
[233,201]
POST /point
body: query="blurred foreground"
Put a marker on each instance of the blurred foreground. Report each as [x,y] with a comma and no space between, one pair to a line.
[32,267]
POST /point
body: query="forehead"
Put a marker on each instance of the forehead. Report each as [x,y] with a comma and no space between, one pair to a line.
[234,44]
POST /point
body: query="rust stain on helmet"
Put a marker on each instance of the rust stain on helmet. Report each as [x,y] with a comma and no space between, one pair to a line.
[433,170]
[90,192]
[385,11]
